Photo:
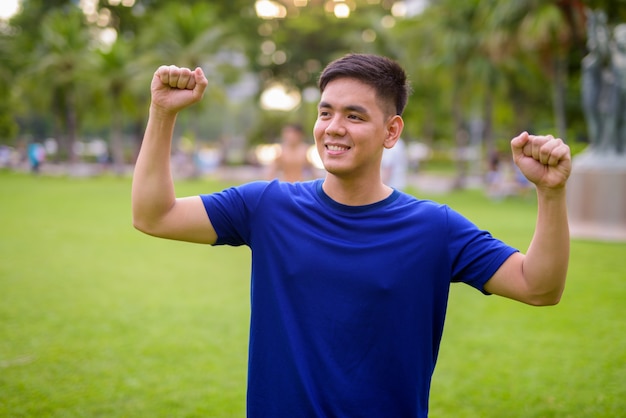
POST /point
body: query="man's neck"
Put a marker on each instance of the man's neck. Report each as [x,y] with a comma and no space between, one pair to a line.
[355,192]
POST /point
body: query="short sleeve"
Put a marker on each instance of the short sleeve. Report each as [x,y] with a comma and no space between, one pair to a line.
[231,212]
[475,254]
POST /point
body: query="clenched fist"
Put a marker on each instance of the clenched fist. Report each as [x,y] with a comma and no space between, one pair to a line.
[174,88]
[546,161]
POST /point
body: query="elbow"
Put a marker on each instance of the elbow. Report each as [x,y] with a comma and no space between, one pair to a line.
[142,220]
[142,225]
[149,226]
[546,291]
[546,299]
[139,226]
[138,221]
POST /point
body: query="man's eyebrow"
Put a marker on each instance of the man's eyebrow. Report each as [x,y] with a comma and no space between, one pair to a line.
[348,108]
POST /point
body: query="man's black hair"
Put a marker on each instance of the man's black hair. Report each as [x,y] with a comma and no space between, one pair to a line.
[385,75]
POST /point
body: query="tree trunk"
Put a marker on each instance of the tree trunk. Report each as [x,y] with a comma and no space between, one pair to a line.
[558,95]
[461,140]
[71,122]
[117,140]
[488,139]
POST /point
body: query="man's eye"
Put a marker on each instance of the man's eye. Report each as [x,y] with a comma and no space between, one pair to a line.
[355,117]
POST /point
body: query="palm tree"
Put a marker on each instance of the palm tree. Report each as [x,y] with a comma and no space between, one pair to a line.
[461,54]
[8,127]
[479,52]
[192,36]
[119,72]
[60,64]
[544,33]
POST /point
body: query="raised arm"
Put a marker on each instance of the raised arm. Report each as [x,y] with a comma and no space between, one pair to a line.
[156,210]
[538,277]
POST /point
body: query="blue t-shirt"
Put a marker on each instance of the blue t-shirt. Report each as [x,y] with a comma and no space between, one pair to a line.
[348,302]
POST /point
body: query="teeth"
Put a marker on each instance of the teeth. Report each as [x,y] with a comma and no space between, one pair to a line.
[336,148]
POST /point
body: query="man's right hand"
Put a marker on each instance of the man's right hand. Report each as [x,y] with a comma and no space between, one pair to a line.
[175,88]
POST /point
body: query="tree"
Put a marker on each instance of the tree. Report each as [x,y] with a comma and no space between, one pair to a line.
[59,68]
[194,37]
[451,60]
[544,32]
[119,72]
[8,126]
[484,57]
[466,59]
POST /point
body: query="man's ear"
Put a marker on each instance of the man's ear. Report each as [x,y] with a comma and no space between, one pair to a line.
[395,125]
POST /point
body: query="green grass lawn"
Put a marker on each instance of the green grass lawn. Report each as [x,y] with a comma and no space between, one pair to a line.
[98,320]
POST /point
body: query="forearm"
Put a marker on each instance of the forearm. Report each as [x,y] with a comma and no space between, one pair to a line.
[153,188]
[546,261]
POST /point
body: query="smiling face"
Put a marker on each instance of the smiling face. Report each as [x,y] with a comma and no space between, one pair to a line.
[352,128]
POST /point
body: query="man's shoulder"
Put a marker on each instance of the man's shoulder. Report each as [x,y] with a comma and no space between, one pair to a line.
[405,198]
[276,190]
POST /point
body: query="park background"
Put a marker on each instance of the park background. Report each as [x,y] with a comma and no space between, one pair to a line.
[98,320]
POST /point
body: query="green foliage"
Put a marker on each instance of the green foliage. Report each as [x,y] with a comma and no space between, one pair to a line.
[269,128]
[99,320]
[615,10]
[8,126]
[491,61]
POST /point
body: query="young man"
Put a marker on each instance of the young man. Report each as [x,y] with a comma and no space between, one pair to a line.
[350,278]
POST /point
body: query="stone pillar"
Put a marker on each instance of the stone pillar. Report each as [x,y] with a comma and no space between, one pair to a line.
[596,197]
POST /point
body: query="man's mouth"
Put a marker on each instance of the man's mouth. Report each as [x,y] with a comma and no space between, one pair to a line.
[337,148]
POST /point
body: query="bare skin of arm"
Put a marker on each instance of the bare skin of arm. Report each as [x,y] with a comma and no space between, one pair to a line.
[155,208]
[538,277]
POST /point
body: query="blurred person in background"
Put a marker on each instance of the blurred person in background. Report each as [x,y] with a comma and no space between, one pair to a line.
[36,156]
[394,166]
[291,163]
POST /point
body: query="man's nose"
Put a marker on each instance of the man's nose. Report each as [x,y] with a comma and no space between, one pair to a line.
[336,126]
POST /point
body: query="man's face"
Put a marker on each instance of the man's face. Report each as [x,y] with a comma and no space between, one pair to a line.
[350,129]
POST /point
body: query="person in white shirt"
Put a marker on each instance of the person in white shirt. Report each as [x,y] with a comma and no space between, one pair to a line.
[394,166]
